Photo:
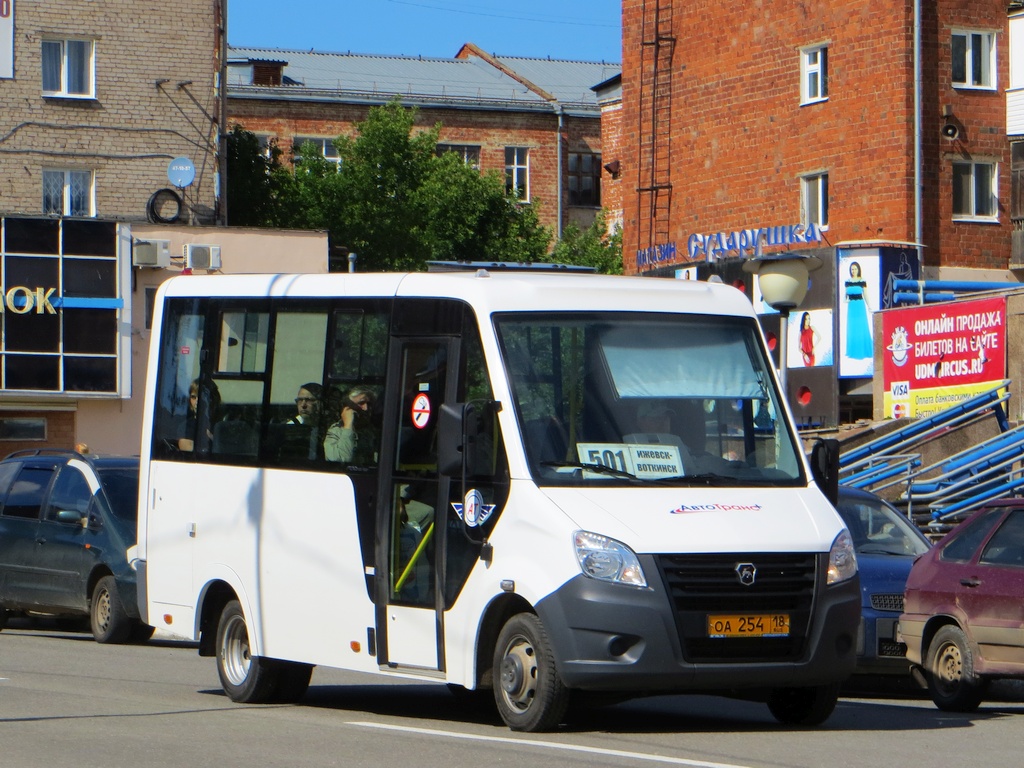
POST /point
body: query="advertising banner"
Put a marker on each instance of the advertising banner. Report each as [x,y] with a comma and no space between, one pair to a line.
[937,355]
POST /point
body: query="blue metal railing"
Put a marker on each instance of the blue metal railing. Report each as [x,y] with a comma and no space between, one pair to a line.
[902,439]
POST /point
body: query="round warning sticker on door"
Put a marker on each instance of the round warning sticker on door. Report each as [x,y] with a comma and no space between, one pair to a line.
[420,411]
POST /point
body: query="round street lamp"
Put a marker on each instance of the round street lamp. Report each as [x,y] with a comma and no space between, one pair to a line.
[782,278]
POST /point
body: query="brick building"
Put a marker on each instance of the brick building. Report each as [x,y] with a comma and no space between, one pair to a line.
[536,120]
[863,132]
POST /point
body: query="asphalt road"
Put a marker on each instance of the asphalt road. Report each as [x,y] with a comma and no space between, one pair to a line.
[67,701]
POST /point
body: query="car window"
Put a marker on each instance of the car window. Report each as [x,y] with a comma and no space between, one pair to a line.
[1006,547]
[121,486]
[70,492]
[877,528]
[964,542]
[26,495]
[7,473]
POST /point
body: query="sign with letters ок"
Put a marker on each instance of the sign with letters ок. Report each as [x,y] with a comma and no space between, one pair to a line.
[940,354]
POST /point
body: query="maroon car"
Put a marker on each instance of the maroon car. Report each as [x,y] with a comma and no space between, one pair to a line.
[963,619]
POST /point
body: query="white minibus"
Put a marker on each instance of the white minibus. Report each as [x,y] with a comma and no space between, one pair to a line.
[538,483]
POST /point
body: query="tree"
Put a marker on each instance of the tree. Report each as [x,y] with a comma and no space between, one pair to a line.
[394,201]
[592,247]
[257,182]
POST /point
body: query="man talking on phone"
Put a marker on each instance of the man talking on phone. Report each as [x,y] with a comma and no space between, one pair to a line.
[350,439]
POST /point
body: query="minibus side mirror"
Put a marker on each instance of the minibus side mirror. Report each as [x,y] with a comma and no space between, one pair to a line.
[450,439]
[825,468]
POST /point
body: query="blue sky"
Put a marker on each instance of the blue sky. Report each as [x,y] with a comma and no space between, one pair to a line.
[587,30]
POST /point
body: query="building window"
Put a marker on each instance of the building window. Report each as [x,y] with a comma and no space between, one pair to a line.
[517,172]
[470,154]
[324,146]
[585,179]
[68,193]
[974,191]
[814,190]
[27,428]
[68,68]
[813,74]
[974,60]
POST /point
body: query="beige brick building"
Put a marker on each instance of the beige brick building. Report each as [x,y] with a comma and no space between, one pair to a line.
[99,97]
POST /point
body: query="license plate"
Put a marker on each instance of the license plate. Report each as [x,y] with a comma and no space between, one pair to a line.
[748,625]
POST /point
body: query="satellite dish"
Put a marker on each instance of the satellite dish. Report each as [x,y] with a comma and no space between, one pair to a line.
[181,172]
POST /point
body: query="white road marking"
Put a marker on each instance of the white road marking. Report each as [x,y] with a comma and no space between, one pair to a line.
[551,745]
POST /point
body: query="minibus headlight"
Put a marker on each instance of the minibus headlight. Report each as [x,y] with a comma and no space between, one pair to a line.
[608,560]
[842,560]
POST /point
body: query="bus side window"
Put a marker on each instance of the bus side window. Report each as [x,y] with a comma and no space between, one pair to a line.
[180,346]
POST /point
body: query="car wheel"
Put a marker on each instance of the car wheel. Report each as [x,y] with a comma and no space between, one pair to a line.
[245,678]
[3,617]
[952,682]
[803,706]
[529,694]
[107,617]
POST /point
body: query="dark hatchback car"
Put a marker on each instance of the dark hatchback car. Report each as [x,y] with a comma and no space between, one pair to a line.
[963,619]
[887,543]
[66,521]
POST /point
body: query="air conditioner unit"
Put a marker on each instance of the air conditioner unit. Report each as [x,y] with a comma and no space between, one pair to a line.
[202,256]
[151,253]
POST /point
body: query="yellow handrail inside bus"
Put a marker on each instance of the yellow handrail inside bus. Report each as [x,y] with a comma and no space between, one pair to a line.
[415,556]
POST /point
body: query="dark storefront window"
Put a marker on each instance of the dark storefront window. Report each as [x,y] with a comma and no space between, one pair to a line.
[61,306]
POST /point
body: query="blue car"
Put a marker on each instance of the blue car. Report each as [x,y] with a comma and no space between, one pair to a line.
[887,543]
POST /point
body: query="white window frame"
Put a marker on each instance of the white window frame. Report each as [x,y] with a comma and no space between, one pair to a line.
[814,199]
[972,203]
[814,74]
[66,198]
[63,89]
[517,173]
[979,53]
[470,153]
[326,145]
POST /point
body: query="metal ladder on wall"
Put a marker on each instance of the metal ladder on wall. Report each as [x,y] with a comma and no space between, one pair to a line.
[654,187]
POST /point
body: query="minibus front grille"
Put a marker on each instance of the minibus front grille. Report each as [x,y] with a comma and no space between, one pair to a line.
[732,585]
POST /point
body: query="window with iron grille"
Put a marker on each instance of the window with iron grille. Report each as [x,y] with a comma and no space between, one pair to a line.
[68,192]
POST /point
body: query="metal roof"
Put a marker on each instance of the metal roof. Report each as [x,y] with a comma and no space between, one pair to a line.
[473,81]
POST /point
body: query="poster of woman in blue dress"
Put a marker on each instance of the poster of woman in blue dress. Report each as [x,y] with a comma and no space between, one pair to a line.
[858,296]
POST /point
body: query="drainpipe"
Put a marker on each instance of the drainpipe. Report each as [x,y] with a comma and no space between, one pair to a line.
[917,123]
[222,116]
[561,126]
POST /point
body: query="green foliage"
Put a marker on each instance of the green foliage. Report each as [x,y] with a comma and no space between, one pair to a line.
[257,182]
[592,247]
[393,201]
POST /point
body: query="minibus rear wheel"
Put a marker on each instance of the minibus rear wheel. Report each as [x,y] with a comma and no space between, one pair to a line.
[529,693]
[245,678]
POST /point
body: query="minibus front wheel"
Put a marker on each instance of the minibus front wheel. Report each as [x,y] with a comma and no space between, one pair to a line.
[529,693]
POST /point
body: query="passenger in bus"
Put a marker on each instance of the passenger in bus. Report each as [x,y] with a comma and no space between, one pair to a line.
[300,437]
[351,439]
[187,442]
[307,405]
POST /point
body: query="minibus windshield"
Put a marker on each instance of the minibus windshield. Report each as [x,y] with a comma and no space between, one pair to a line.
[644,398]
